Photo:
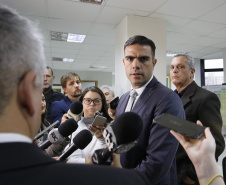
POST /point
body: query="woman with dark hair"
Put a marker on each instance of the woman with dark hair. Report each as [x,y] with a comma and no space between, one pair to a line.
[93,100]
[44,123]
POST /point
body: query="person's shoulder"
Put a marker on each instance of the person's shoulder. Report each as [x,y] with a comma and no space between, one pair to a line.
[98,174]
[58,94]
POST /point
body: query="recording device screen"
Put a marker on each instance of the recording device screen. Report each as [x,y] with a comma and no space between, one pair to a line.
[113,103]
[184,127]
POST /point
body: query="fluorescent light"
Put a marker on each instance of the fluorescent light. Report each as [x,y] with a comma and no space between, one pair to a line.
[98,67]
[173,53]
[99,2]
[69,37]
[63,59]
[68,60]
[75,38]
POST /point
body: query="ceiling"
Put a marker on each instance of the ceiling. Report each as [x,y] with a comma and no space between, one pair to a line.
[194,26]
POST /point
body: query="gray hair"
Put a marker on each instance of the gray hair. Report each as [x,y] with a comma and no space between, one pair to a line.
[191,61]
[108,87]
[21,50]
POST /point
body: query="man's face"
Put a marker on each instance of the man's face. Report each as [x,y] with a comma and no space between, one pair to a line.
[180,73]
[48,79]
[73,88]
[139,64]
[108,94]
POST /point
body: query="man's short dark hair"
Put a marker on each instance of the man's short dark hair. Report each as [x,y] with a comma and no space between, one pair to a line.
[141,40]
[47,67]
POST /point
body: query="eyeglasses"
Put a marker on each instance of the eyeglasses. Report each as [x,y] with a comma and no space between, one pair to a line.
[96,101]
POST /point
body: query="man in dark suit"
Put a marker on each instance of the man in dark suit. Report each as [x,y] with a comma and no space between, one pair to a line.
[72,87]
[199,104]
[154,154]
[21,161]
[50,94]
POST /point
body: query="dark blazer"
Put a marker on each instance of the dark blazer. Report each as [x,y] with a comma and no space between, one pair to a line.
[154,154]
[50,97]
[203,105]
[26,164]
[59,108]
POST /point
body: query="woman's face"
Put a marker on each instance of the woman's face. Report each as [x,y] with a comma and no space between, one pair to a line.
[43,108]
[92,102]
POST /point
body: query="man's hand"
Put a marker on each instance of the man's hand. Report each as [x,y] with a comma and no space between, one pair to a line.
[64,118]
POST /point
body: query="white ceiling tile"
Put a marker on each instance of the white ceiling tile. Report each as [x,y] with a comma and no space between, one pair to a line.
[69,26]
[202,27]
[217,15]
[189,8]
[112,15]
[25,7]
[141,5]
[72,10]
[219,34]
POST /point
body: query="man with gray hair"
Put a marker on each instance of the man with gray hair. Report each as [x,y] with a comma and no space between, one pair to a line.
[22,66]
[108,93]
[199,104]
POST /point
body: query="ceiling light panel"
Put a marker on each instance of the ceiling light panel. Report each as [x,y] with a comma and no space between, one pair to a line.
[98,2]
[68,37]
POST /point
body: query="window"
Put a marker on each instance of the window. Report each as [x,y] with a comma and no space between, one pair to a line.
[212,72]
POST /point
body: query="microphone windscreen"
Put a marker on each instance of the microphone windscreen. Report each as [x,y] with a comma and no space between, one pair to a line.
[127,127]
[82,139]
[68,127]
[76,107]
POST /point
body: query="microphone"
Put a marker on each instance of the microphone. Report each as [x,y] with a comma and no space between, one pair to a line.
[56,136]
[80,141]
[75,110]
[120,136]
[46,129]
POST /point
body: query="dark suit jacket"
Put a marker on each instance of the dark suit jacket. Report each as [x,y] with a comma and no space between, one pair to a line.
[50,97]
[26,164]
[59,108]
[154,154]
[203,105]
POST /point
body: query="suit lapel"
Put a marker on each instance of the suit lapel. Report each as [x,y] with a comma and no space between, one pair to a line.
[186,97]
[146,94]
[124,99]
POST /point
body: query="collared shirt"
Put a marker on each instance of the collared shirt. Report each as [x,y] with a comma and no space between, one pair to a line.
[140,90]
[14,137]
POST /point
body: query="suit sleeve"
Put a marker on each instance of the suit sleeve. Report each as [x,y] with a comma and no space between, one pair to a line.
[162,146]
[210,116]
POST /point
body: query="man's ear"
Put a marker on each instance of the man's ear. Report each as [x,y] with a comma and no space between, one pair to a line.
[26,92]
[154,62]
[123,61]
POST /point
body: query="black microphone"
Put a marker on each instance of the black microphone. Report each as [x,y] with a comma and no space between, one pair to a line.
[56,136]
[80,141]
[120,136]
[75,110]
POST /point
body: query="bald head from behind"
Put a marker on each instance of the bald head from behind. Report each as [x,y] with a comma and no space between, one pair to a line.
[22,64]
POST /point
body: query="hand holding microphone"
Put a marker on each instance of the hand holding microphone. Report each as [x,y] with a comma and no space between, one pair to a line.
[120,136]
[75,111]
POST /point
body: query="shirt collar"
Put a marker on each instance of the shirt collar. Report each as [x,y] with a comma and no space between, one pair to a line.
[182,92]
[141,89]
[14,137]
